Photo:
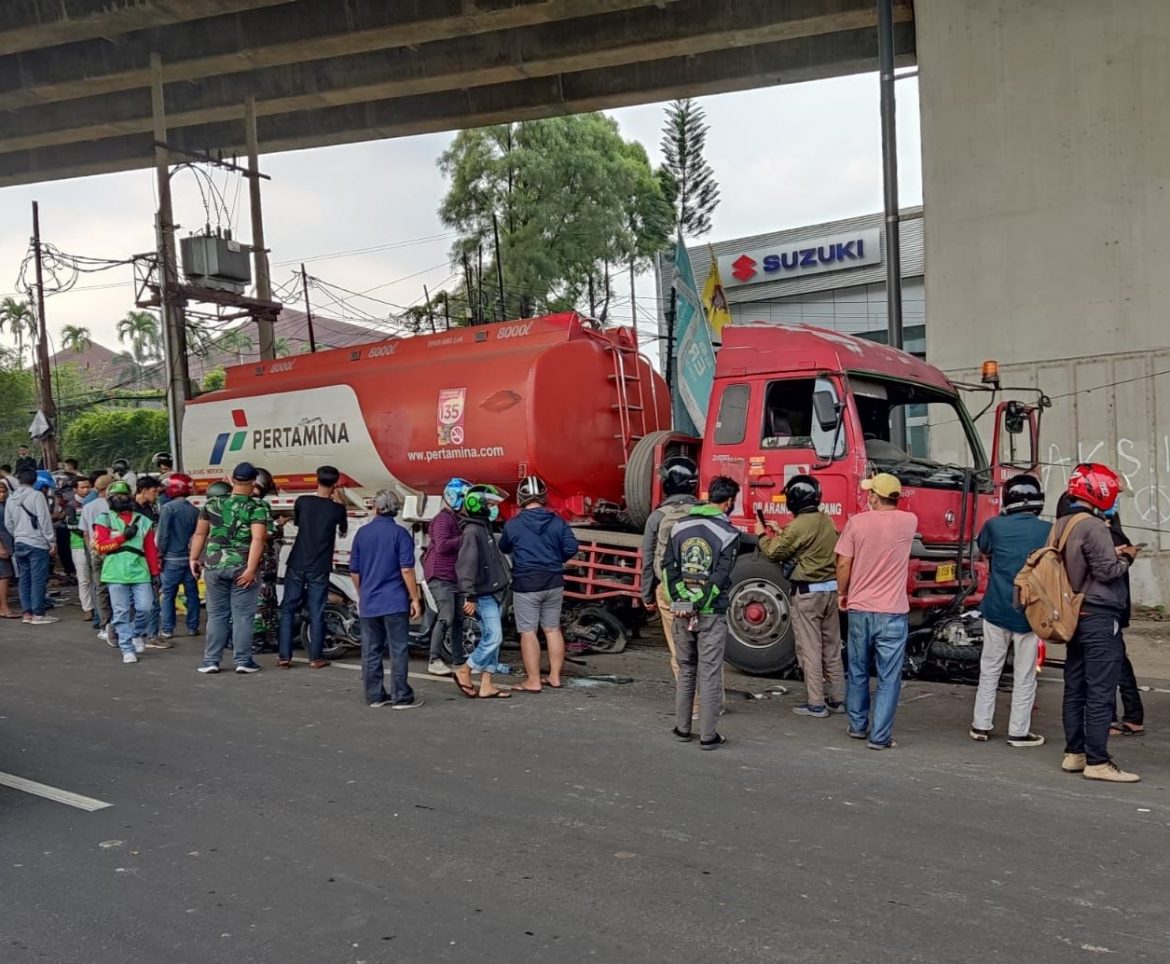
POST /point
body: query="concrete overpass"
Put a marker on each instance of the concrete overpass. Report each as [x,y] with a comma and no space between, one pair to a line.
[75,74]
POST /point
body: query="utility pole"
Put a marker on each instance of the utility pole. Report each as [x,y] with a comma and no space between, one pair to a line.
[479,287]
[467,286]
[265,327]
[633,303]
[592,299]
[430,313]
[890,181]
[499,267]
[49,444]
[178,381]
[308,308]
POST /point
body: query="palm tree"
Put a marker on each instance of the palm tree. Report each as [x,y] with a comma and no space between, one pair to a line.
[141,329]
[237,340]
[75,338]
[129,369]
[19,319]
[283,348]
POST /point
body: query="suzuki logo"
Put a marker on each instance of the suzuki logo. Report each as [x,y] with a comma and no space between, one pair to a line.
[744,267]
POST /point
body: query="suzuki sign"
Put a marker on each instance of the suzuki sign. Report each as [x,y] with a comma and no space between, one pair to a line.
[796,259]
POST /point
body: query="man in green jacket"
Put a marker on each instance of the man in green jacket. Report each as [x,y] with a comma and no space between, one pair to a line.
[807,544]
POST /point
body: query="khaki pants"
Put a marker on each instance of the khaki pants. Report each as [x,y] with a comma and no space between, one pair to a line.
[817,624]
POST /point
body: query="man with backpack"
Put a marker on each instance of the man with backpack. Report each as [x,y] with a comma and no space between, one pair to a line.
[1008,540]
[540,542]
[1096,571]
[680,478]
[696,574]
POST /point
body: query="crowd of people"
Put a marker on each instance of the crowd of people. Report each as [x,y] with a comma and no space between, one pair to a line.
[132,542]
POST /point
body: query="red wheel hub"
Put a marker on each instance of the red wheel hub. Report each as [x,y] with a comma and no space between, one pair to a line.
[755,613]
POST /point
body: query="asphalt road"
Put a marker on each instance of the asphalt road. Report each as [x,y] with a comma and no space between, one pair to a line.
[276,818]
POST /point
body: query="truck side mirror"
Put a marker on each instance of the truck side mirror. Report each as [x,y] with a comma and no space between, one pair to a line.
[826,411]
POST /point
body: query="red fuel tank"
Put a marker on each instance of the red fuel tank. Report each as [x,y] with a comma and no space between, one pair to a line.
[558,396]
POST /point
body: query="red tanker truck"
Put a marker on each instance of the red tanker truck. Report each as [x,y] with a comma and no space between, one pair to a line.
[575,403]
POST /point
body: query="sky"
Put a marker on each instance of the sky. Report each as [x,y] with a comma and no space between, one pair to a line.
[363,216]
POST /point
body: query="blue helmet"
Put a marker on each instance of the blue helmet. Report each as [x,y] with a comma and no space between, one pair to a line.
[44,480]
[454,491]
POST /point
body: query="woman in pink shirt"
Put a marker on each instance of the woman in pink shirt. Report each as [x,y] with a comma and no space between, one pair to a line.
[873,571]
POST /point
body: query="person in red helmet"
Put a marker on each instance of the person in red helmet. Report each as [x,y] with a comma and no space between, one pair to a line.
[1096,569]
[176,525]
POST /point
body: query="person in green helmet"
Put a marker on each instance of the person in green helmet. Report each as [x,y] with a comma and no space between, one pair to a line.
[125,541]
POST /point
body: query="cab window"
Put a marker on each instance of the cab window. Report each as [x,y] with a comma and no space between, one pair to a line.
[788,417]
[731,427]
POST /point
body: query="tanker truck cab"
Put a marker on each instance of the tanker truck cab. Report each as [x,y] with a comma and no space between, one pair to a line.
[802,400]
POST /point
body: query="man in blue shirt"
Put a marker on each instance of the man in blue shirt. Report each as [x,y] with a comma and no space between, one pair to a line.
[381,564]
[1007,541]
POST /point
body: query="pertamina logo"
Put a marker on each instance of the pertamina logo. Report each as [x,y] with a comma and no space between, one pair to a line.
[744,268]
[237,439]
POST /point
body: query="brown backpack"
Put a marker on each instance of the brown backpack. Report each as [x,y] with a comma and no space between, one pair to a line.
[1044,592]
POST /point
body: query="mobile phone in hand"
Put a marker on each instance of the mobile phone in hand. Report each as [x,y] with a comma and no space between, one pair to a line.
[760,516]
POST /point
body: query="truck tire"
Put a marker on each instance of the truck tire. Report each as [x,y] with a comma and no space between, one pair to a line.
[639,486]
[760,638]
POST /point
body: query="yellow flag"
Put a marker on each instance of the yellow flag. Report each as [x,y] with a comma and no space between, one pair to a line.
[715,300]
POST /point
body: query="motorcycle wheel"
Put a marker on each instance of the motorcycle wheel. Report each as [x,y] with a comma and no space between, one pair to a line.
[600,629]
[341,632]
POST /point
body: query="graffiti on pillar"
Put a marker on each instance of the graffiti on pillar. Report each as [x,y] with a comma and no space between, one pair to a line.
[1145,467]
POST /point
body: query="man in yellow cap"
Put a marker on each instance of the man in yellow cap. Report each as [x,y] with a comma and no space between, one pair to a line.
[873,574]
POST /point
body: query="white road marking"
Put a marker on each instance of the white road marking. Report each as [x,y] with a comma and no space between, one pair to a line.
[358,667]
[53,793]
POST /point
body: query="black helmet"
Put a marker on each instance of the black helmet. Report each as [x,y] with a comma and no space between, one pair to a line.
[679,475]
[121,466]
[1022,493]
[530,490]
[802,493]
[264,482]
[162,458]
[219,488]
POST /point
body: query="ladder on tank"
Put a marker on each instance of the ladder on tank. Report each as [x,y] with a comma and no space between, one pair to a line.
[631,402]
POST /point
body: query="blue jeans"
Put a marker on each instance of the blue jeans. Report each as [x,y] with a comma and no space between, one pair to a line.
[382,634]
[32,577]
[122,598]
[879,638]
[231,612]
[311,588]
[487,653]
[177,572]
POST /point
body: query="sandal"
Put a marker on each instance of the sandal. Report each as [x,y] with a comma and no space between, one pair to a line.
[468,691]
[1125,729]
[497,695]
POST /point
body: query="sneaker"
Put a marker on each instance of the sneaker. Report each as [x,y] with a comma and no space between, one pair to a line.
[858,735]
[192,632]
[165,635]
[436,667]
[209,668]
[681,736]
[140,646]
[129,658]
[378,704]
[249,667]
[804,709]
[1109,771]
[1073,763]
[160,642]
[43,620]
[714,743]
[882,746]
[981,736]
[1028,739]
[26,618]
[835,707]
[413,704]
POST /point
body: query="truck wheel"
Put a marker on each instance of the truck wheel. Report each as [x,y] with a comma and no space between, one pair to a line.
[597,627]
[639,487]
[759,618]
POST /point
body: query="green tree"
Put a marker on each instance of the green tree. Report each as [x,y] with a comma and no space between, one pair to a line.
[75,338]
[214,380]
[141,329]
[18,394]
[562,191]
[99,436]
[20,320]
[684,138]
[238,341]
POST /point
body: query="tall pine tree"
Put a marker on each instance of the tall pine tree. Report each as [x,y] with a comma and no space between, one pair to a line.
[684,138]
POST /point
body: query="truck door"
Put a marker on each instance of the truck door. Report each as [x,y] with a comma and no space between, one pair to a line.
[731,443]
[1015,449]
[792,441]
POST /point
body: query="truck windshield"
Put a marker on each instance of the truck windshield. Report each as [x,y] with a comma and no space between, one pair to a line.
[940,439]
